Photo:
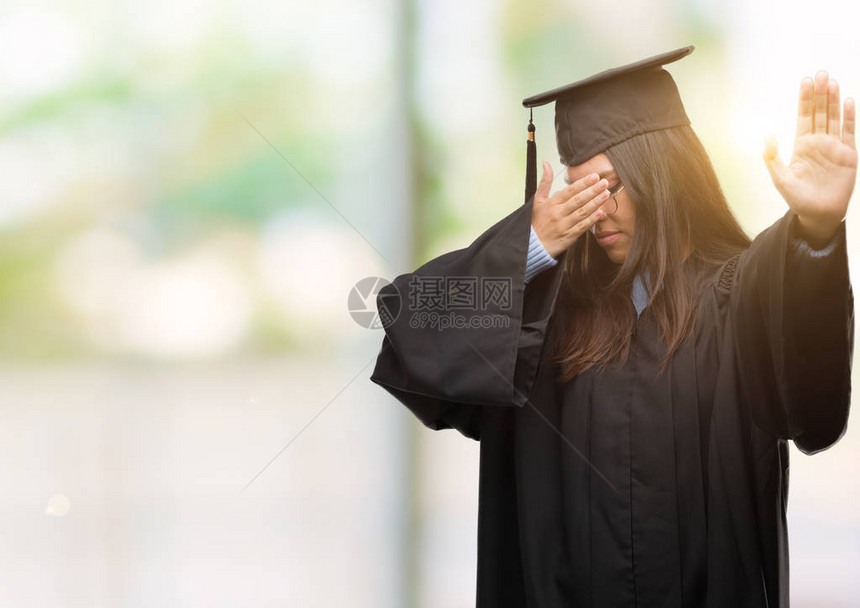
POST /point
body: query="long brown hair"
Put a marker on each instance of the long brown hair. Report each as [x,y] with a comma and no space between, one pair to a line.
[678,199]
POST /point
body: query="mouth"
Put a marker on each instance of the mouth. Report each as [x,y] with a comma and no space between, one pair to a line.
[605,238]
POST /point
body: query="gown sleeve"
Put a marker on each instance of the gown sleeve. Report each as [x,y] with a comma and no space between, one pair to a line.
[464,331]
[792,316]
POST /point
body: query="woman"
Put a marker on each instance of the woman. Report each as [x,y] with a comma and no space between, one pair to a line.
[634,412]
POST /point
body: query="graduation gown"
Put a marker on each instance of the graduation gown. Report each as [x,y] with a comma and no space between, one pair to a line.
[622,488]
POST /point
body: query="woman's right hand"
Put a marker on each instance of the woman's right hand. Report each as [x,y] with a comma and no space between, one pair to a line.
[560,220]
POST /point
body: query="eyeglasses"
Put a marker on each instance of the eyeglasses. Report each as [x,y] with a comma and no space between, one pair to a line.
[613,193]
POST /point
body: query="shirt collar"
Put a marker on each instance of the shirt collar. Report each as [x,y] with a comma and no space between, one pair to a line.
[639,293]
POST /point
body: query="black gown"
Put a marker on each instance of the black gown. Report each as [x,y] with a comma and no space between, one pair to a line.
[622,488]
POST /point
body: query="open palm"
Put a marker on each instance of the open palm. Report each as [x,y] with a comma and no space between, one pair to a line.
[818,181]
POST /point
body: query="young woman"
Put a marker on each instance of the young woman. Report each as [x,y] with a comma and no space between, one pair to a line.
[635,393]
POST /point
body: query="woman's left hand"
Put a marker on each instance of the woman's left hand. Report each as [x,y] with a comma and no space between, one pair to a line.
[818,182]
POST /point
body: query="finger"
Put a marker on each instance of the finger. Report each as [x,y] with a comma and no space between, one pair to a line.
[833,108]
[575,214]
[583,225]
[576,187]
[820,117]
[545,182]
[848,122]
[774,163]
[593,196]
[804,107]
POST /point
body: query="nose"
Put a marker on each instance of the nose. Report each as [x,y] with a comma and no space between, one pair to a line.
[594,225]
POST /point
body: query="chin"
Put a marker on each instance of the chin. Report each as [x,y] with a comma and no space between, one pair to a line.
[616,257]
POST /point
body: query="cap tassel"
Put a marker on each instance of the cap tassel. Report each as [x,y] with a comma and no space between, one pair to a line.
[531,161]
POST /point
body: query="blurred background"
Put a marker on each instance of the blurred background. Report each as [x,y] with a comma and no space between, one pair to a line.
[189,191]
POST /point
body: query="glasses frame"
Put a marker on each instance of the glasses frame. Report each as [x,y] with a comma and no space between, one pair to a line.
[620,187]
[613,195]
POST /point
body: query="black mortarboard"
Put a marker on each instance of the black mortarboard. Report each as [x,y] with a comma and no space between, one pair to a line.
[604,109]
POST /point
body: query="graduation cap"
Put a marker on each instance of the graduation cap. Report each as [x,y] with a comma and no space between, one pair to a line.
[607,108]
